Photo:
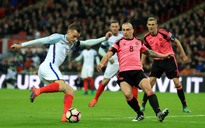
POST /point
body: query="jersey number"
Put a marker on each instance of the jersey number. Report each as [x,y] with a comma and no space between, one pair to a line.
[131,49]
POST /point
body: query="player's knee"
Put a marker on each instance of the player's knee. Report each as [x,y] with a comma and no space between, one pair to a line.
[105,82]
[69,89]
[177,83]
[146,88]
[128,95]
[66,88]
[152,83]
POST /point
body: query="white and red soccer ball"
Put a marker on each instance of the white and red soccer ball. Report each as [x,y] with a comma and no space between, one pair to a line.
[73,115]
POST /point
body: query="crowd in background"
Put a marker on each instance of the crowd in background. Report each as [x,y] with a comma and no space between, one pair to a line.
[38,19]
[55,15]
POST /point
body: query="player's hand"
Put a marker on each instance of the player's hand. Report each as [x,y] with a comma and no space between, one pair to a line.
[112,61]
[99,67]
[185,59]
[15,47]
[169,55]
[108,35]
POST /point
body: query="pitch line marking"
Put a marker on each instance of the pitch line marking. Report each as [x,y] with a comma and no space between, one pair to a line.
[173,116]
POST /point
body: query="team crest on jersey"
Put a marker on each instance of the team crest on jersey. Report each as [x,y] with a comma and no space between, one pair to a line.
[151,42]
[136,44]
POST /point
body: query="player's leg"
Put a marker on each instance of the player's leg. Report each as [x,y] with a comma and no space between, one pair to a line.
[156,72]
[35,92]
[135,93]
[145,85]
[48,74]
[144,100]
[90,79]
[181,95]
[57,86]
[92,87]
[85,85]
[131,100]
[68,97]
[110,71]
[172,72]
[84,75]
[52,87]
[99,91]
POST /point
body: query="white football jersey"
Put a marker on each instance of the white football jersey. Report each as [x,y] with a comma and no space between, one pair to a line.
[109,43]
[58,50]
[111,69]
[89,57]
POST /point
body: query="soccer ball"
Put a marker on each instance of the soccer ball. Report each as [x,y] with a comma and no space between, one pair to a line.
[73,115]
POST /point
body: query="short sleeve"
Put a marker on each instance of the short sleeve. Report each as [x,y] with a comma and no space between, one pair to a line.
[143,48]
[171,36]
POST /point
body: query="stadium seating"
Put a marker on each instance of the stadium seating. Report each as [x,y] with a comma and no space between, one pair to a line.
[27,17]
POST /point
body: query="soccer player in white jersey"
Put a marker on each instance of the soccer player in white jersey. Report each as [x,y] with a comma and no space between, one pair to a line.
[113,64]
[89,57]
[49,71]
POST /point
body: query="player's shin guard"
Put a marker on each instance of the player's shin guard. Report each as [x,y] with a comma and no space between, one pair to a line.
[85,84]
[144,100]
[53,87]
[135,93]
[134,105]
[181,95]
[92,87]
[154,102]
[68,100]
[99,91]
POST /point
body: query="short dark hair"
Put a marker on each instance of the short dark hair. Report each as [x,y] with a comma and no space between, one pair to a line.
[152,19]
[75,26]
[113,21]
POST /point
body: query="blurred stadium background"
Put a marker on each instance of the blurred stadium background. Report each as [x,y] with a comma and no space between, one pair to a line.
[23,20]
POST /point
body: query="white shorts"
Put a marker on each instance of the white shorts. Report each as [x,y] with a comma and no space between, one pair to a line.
[111,70]
[48,73]
[87,71]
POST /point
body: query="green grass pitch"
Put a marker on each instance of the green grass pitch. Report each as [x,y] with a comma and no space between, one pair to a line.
[112,111]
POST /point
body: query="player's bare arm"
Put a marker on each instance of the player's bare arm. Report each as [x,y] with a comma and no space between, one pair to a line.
[104,61]
[181,50]
[156,54]
[143,57]
[102,52]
